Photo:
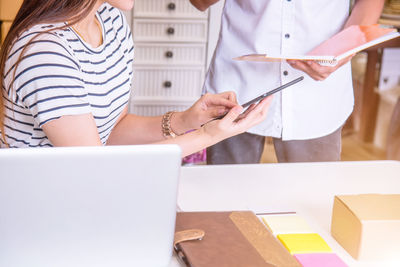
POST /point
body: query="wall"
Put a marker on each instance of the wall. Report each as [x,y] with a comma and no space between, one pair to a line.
[8,10]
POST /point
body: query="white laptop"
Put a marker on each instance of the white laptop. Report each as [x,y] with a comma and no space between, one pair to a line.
[88,206]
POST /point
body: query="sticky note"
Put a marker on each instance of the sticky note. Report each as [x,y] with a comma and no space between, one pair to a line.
[304,243]
[286,224]
[320,259]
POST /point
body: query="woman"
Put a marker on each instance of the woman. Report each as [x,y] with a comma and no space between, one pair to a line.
[67,67]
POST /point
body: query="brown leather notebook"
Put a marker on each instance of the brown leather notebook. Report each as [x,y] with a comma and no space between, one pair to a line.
[232,239]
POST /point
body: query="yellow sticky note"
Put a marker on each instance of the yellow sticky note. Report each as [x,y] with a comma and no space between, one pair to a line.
[304,243]
[286,224]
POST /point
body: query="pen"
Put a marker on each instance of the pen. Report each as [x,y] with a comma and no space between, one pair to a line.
[283,86]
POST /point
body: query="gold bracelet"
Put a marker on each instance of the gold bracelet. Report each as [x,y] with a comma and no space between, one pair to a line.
[166,125]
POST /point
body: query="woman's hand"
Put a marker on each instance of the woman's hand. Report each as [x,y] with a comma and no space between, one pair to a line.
[233,123]
[236,122]
[315,70]
[208,107]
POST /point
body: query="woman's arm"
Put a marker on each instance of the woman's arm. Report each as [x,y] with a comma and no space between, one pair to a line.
[133,129]
[202,5]
[80,130]
[73,130]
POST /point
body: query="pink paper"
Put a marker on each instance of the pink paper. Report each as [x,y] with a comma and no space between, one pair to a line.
[348,39]
[319,260]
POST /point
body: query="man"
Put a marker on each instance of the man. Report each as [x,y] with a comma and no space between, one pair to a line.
[304,120]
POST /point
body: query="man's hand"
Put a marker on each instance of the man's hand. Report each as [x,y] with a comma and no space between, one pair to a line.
[315,70]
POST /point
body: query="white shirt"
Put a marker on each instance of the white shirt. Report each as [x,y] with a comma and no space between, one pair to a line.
[307,110]
[60,74]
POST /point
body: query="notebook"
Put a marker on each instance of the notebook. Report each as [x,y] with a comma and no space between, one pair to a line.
[347,42]
[88,206]
[231,239]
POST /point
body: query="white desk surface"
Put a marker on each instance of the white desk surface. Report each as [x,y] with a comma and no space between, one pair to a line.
[307,188]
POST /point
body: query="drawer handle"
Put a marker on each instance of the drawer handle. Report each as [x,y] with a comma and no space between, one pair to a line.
[171,6]
[167,84]
[169,54]
[170,30]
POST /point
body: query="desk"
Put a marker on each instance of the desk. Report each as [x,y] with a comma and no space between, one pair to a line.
[307,188]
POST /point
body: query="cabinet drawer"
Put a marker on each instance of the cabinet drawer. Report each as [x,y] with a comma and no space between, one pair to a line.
[168,82]
[156,109]
[170,54]
[167,9]
[161,30]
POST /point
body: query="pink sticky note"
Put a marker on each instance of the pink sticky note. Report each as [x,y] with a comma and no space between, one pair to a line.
[320,259]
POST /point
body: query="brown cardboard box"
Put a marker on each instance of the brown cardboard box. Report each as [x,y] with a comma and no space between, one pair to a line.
[5,27]
[368,226]
[9,8]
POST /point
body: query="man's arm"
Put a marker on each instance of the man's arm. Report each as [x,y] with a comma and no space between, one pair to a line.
[365,12]
[202,5]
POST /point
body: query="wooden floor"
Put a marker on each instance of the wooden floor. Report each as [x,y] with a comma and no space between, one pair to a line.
[352,150]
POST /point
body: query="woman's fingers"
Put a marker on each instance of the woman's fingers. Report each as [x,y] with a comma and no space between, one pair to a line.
[230,95]
[233,114]
[257,114]
[247,111]
[235,122]
[223,99]
[209,106]
[240,122]
[215,112]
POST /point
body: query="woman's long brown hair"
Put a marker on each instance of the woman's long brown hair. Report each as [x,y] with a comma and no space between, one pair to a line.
[31,13]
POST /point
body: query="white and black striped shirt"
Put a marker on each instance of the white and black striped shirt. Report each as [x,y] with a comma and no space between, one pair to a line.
[62,75]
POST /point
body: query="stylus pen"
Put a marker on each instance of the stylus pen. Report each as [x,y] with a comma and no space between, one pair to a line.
[283,86]
[255,100]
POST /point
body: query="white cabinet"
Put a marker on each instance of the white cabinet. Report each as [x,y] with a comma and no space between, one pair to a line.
[167,9]
[167,54]
[171,39]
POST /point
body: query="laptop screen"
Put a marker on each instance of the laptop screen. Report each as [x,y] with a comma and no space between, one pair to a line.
[88,206]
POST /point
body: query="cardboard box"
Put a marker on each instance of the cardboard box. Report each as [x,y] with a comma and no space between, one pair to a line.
[368,226]
[9,9]
[5,27]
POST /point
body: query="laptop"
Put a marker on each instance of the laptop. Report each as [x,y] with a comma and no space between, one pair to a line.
[88,206]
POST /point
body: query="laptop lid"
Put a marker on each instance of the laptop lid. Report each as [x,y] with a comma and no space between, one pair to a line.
[88,206]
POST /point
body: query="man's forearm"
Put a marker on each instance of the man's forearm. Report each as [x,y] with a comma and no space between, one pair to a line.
[202,5]
[365,12]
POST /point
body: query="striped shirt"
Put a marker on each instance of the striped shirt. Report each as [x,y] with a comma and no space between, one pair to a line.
[60,74]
